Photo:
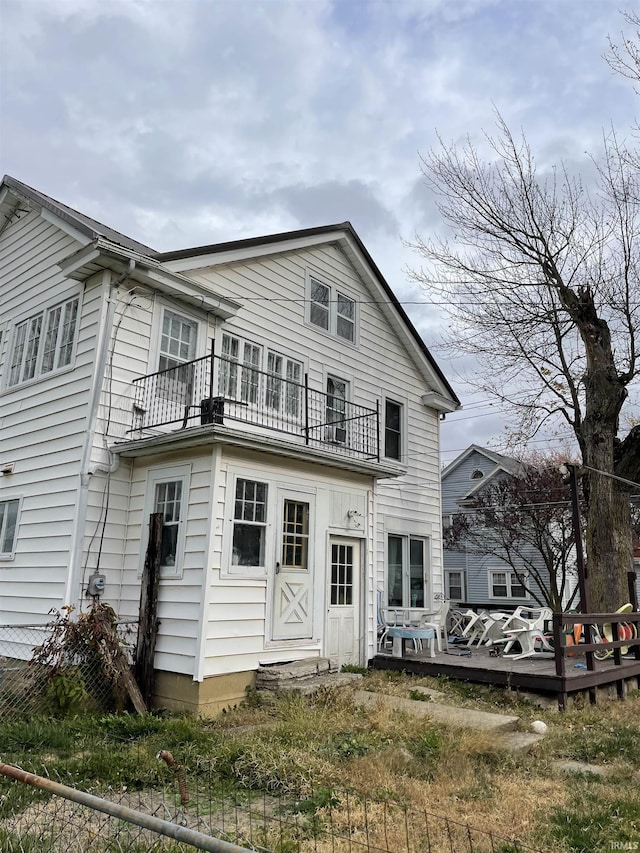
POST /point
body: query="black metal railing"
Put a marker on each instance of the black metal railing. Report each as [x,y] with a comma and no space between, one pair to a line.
[217,390]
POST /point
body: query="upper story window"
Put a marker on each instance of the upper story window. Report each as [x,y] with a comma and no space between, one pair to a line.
[247,375]
[477,474]
[44,343]
[392,429]
[332,310]
[506,585]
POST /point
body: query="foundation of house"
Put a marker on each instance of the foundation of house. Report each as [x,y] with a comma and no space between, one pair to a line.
[206,698]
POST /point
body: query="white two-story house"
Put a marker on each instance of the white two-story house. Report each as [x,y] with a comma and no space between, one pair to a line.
[268,396]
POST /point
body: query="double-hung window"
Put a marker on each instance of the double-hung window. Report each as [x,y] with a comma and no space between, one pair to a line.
[168,495]
[249,523]
[8,527]
[44,343]
[454,581]
[506,584]
[406,571]
[332,310]
[175,362]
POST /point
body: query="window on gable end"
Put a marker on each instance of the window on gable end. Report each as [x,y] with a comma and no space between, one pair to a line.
[346,318]
[319,312]
[332,310]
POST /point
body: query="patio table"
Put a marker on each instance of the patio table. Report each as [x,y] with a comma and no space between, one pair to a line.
[400,635]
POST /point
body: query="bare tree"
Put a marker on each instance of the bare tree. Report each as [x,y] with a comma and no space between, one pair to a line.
[524,520]
[541,279]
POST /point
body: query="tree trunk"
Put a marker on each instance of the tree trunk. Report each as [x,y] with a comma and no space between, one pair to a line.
[609,512]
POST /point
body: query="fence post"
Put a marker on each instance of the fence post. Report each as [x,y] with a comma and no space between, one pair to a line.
[148,615]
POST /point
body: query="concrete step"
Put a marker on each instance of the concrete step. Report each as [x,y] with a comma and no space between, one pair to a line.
[307,686]
[445,714]
[271,675]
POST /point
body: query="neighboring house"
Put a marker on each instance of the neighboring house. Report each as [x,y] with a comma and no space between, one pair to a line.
[472,578]
[269,396]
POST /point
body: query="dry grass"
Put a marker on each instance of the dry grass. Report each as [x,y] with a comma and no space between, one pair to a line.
[309,751]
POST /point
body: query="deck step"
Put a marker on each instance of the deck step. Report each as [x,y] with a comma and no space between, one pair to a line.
[445,714]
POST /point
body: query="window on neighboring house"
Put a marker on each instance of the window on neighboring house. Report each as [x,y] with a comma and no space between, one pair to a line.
[44,343]
[336,429]
[177,349]
[406,565]
[283,391]
[477,474]
[249,523]
[392,430]
[295,535]
[454,585]
[8,527]
[505,584]
[332,310]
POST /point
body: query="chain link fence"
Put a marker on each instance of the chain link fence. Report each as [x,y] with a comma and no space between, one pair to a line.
[224,819]
[76,682]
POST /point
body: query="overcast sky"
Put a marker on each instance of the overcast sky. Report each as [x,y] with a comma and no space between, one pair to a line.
[187,122]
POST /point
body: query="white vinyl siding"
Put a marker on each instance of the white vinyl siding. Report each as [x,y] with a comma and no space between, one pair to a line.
[34,354]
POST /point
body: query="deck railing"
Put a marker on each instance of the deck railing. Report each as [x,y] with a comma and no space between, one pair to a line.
[607,641]
[215,390]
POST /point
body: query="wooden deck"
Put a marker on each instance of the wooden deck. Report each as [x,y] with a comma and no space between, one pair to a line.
[536,674]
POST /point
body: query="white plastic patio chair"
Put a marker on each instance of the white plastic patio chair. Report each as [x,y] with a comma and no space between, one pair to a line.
[528,632]
[438,621]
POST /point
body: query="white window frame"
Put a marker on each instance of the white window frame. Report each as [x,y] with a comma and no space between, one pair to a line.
[285,384]
[509,575]
[336,293]
[42,318]
[242,569]
[333,431]
[228,569]
[7,499]
[161,306]
[155,476]
[462,584]
[406,538]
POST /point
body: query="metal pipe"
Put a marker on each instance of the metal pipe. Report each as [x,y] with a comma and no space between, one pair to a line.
[155,824]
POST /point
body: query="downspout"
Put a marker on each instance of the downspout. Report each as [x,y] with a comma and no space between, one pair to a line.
[72,593]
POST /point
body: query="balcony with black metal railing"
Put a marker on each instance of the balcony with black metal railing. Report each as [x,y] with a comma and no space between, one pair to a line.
[217,391]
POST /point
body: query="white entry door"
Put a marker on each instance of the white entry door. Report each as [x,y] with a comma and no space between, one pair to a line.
[343,618]
[293,580]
